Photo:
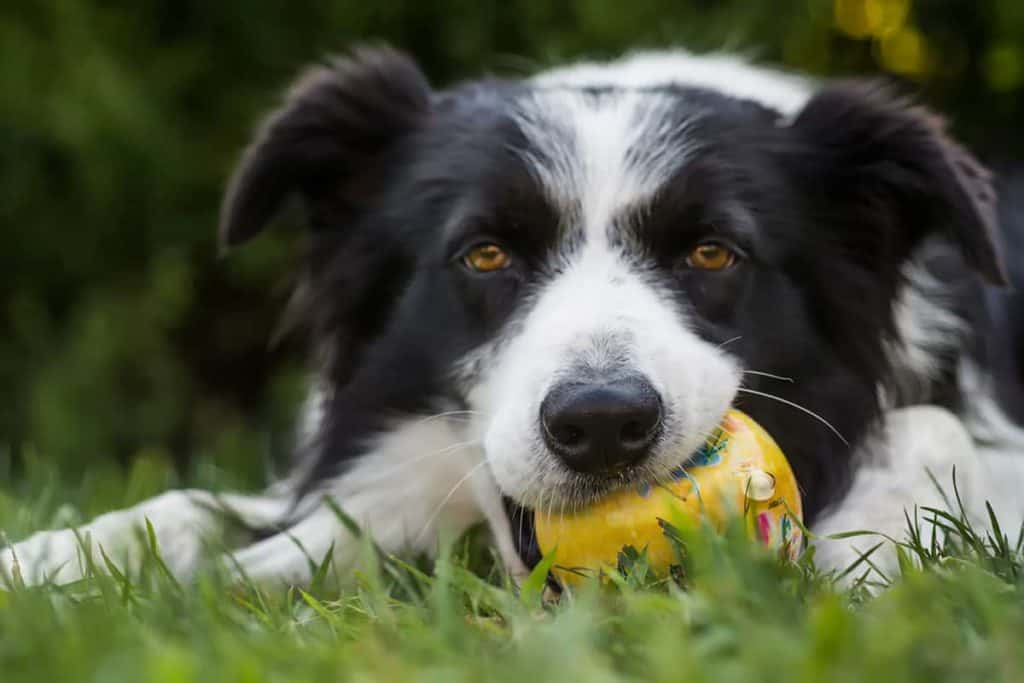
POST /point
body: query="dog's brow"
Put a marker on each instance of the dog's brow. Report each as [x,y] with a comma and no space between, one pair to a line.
[526,220]
[598,156]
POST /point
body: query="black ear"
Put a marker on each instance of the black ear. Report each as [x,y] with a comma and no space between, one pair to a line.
[336,121]
[893,165]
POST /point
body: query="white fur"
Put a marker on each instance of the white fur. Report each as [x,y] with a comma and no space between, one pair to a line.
[181,521]
[929,335]
[1000,446]
[601,155]
[414,481]
[596,316]
[895,474]
[729,74]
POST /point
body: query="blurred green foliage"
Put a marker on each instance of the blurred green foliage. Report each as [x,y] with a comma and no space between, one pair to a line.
[121,332]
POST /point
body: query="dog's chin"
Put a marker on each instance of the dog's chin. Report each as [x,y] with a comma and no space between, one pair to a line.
[588,489]
[576,491]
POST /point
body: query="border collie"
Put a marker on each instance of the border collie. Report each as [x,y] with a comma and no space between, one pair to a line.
[523,294]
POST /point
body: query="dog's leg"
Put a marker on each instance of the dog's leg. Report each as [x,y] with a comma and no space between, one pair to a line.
[893,477]
[181,521]
[419,479]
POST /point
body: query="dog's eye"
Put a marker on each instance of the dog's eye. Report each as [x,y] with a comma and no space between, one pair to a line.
[710,256]
[487,258]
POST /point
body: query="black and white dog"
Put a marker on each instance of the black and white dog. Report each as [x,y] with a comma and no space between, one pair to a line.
[526,293]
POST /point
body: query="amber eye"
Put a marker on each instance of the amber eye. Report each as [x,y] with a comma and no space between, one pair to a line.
[710,256]
[487,258]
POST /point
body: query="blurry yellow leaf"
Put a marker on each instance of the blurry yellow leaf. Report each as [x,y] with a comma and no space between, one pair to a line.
[904,52]
[871,18]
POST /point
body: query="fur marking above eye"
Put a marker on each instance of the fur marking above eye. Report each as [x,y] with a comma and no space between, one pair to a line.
[487,258]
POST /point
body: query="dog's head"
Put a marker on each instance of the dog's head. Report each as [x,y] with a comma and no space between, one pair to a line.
[599,262]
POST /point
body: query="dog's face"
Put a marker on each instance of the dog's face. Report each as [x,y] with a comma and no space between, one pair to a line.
[611,361]
[596,268]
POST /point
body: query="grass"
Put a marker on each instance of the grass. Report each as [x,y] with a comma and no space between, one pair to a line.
[955,612]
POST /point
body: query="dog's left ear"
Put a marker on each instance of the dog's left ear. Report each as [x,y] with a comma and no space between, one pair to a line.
[325,141]
[892,165]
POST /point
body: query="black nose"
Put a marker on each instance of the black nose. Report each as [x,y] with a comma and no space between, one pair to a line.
[601,427]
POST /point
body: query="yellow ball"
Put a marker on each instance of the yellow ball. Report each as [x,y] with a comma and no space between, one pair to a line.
[739,471]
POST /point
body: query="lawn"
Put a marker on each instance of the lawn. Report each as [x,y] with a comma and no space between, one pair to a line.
[735,613]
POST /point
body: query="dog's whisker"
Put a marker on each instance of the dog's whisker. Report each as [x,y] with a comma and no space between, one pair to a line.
[522,516]
[799,407]
[769,375]
[538,513]
[551,506]
[462,414]
[448,497]
[527,492]
[730,341]
[447,450]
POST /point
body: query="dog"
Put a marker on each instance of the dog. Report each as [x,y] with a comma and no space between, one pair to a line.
[522,294]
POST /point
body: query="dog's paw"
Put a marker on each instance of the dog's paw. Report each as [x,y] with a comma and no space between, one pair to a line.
[910,468]
[180,523]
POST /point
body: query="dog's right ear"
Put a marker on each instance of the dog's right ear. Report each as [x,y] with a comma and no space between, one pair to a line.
[337,120]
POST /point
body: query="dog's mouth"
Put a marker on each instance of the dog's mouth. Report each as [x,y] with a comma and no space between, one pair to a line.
[575,491]
[524,536]
[586,491]
[522,518]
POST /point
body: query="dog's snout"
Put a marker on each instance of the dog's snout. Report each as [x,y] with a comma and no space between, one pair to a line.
[601,427]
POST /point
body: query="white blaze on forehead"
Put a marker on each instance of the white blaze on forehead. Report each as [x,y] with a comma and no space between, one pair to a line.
[596,154]
[728,74]
[601,150]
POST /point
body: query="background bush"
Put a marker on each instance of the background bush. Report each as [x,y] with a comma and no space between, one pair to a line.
[123,336]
